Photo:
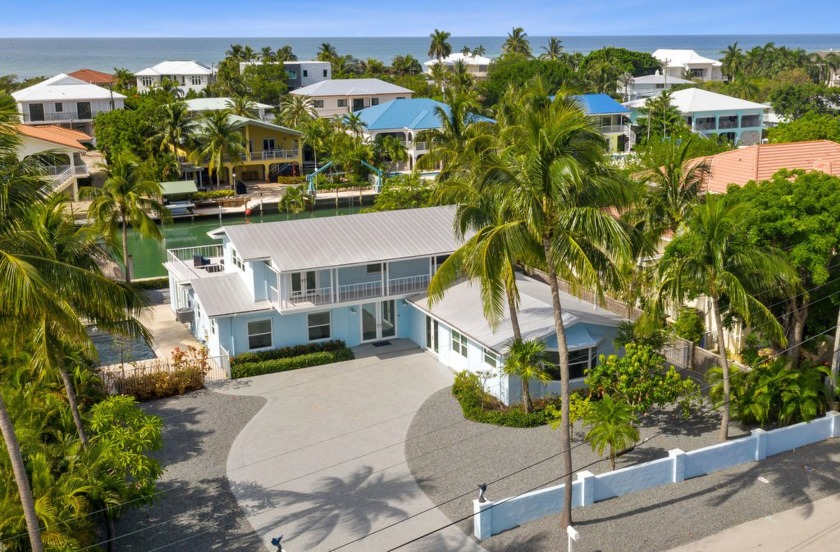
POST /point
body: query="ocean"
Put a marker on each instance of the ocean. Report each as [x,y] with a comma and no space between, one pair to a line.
[32,57]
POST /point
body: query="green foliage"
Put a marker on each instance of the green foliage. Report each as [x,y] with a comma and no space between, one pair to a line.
[638,334]
[250,369]
[295,200]
[122,130]
[152,283]
[811,126]
[265,83]
[288,352]
[637,63]
[291,179]
[183,372]
[579,403]
[797,100]
[403,192]
[611,425]
[504,73]
[689,325]
[640,378]
[479,406]
[773,393]
[213,194]
[525,359]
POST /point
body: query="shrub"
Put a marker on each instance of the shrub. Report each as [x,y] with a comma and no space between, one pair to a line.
[689,325]
[183,372]
[288,352]
[291,179]
[479,406]
[152,283]
[213,194]
[258,368]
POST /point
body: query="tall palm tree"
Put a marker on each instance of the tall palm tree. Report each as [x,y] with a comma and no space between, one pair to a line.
[241,105]
[460,78]
[285,53]
[296,111]
[439,46]
[326,52]
[479,50]
[733,59]
[235,52]
[554,50]
[248,54]
[517,43]
[440,75]
[612,425]
[353,123]
[709,259]
[174,128]
[218,139]
[125,198]
[525,359]
[267,55]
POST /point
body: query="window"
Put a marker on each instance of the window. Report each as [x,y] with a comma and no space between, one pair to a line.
[400,97]
[237,261]
[342,103]
[213,327]
[705,123]
[36,112]
[730,121]
[660,85]
[146,81]
[291,74]
[581,360]
[374,101]
[374,268]
[259,334]
[490,358]
[697,73]
[749,121]
[318,104]
[305,73]
[325,73]
[59,107]
[319,325]
[83,110]
[268,144]
[195,80]
[459,343]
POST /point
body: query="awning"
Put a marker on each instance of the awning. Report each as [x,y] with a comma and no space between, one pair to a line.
[577,337]
[178,187]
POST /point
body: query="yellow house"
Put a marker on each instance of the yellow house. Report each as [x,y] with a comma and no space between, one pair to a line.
[270,149]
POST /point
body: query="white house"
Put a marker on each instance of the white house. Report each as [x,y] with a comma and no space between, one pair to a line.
[188,75]
[60,151]
[477,66]
[65,101]
[712,114]
[299,73]
[676,62]
[203,105]
[340,96]
[648,86]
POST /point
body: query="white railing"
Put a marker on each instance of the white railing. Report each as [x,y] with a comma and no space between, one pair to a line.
[421,146]
[614,129]
[270,154]
[58,179]
[353,292]
[219,366]
[317,296]
[273,295]
[410,284]
[200,261]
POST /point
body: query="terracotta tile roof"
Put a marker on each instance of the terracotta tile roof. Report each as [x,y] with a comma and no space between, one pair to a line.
[93,77]
[56,135]
[762,161]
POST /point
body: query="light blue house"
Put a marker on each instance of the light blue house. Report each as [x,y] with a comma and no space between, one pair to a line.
[361,278]
[711,114]
[404,119]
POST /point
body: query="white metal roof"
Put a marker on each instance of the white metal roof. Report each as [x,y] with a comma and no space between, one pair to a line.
[659,78]
[326,242]
[461,309]
[64,87]
[217,104]
[683,58]
[696,100]
[451,59]
[226,294]
[350,87]
[175,68]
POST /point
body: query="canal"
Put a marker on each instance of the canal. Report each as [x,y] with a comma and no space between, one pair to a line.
[149,255]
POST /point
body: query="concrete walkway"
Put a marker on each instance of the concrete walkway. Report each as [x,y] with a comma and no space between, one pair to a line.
[324,461]
[814,527]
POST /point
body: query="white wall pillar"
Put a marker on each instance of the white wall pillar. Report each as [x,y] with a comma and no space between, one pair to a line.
[587,487]
[677,457]
[760,443]
[483,519]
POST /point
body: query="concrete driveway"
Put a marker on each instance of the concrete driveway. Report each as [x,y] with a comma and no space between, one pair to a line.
[324,461]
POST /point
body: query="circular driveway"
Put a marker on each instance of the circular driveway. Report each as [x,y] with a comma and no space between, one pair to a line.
[324,461]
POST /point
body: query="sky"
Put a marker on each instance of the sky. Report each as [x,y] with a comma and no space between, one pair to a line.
[338,18]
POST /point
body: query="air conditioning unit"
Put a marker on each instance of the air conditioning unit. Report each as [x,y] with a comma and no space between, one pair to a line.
[185,316]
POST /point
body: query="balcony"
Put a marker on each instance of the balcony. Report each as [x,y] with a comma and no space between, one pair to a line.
[267,155]
[421,146]
[349,293]
[614,129]
[195,262]
[65,116]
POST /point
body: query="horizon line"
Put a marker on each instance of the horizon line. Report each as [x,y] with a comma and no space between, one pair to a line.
[420,36]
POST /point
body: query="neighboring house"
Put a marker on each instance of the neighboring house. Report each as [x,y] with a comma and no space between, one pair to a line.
[652,85]
[94,77]
[833,76]
[65,101]
[61,150]
[405,119]
[270,148]
[187,75]
[762,161]
[613,120]
[678,62]
[300,73]
[203,105]
[340,96]
[357,278]
[477,66]
[712,114]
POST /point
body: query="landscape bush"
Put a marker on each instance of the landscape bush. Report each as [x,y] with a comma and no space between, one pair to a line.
[479,406]
[291,179]
[289,352]
[152,283]
[213,194]
[258,368]
[181,373]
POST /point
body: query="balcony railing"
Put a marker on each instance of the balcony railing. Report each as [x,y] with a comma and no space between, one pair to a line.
[198,262]
[352,292]
[421,146]
[710,125]
[270,154]
[318,296]
[410,284]
[63,116]
[615,129]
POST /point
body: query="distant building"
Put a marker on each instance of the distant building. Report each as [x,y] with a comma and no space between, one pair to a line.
[477,66]
[711,114]
[94,77]
[64,165]
[652,85]
[300,73]
[187,75]
[678,62]
[613,120]
[203,105]
[65,101]
[340,96]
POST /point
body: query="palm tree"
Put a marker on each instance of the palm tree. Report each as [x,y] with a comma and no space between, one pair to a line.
[709,259]
[285,53]
[125,79]
[612,424]
[553,51]
[439,46]
[353,123]
[439,75]
[296,111]
[479,51]
[525,359]
[235,52]
[406,65]
[460,78]
[248,54]
[295,200]
[267,55]
[218,139]
[732,60]
[389,149]
[326,52]
[125,197]
[372,66]
[517,43]
[175,126]
[242,106]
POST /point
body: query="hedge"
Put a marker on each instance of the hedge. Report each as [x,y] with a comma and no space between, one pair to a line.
[213,194]
[479,406]
[249,369]
[291,179]
[152,283]
[289,352]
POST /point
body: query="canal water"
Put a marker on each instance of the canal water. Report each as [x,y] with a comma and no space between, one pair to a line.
[149,255]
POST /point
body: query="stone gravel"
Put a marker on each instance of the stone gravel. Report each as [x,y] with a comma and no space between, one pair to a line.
[450,456]
[196,509]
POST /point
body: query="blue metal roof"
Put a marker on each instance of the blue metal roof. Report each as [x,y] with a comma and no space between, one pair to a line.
[600,104]
[410,113]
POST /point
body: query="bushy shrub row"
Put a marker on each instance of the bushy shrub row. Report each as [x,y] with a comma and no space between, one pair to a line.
[479,406]
[152,283]
[291,179]
[149,385]
[249,369]
[213,194]
[289,352]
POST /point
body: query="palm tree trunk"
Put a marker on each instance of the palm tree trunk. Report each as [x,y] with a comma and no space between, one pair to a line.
[517,335]
[74,405]
[800,316]
[125,249]
[27,501]
[724,364]
[563,352]
[612,459]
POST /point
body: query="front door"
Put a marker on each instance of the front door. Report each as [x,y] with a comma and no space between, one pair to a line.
[379,320]
[431,334]
[304,284]
[358,103]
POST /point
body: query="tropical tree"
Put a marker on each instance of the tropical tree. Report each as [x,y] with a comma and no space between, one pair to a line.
[353,123]
[296,111]
[316,134]
[440,75]
[389,149]
[553,51]
[175,127]
[659,118]
[710,258]
[285,53]
[267,54]
[241,105]
[406,65]
[517,43]
[479,51]
[525,359]
[460,78]
[126,197]
[439,46]
[125,79]
[326,52]
[732,60]
[612,424]
[372,66]
[295,200]
[218,139]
